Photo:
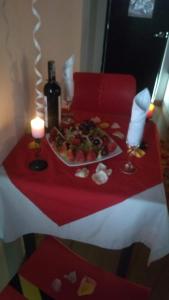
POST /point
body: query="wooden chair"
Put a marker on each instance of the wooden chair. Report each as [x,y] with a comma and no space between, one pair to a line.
[104,92]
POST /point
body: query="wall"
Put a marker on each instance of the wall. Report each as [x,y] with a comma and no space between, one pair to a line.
[165,84]
[161,93]
[14,76]
[94,17]
[59,37]
[61,34]
[163,75]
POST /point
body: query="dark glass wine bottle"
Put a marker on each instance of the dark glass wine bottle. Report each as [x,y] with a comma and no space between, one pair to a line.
[52,93]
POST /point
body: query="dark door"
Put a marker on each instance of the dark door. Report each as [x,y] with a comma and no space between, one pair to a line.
[135,44]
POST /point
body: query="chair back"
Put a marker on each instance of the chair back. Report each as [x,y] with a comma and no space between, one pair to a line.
[104,92]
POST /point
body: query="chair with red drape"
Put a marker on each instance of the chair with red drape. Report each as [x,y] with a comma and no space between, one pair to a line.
[9,293]
[98,92]
[52,261]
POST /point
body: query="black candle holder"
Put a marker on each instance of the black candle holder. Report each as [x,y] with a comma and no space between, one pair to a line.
[38,164]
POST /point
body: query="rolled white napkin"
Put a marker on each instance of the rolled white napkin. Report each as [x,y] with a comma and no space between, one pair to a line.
[140,107]
[68,78]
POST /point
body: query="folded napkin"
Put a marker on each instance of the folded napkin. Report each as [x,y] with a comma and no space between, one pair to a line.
[140,107]
[68,78]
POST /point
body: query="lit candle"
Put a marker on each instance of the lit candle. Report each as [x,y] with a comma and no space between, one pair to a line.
[37,128]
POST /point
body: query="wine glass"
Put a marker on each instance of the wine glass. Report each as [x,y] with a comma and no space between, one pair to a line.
[68,102]
[67,115]
[128,167]
[67,91]
[133,140]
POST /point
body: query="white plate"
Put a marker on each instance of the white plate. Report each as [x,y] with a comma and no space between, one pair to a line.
[116,152]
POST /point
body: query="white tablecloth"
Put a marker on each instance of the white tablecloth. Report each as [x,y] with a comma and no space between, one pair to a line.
[141,218]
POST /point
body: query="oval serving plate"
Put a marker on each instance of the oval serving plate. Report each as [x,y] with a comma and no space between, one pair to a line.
[112,154]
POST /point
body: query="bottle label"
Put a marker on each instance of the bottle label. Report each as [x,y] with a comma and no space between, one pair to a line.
[52,116]
[46,111]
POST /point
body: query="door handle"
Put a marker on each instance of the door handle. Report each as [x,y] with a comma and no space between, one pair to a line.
[161,35]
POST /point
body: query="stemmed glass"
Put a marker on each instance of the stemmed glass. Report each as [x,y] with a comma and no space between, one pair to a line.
[68,89]
[128,167]
[67,115]
[133,140]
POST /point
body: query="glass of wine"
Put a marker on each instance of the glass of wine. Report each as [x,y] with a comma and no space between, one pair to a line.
[67,115]
[128,167]
[68,89]
[133,140]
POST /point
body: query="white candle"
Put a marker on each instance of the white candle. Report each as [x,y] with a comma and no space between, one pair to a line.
[37,128]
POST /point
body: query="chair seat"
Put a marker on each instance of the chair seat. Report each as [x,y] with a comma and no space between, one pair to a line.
[11,294]
[53,260]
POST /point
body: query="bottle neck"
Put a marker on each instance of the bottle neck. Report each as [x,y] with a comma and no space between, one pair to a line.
[51,78]
[51,71]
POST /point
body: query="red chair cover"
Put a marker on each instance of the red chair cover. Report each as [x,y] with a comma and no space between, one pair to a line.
[11,294]
[53,260]
[97,91]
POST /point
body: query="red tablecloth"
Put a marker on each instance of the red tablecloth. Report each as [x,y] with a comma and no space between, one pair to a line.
[64,197]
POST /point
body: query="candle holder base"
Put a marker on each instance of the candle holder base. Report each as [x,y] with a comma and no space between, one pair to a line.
[38,165]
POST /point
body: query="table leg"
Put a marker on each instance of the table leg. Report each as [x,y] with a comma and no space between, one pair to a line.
[124,261]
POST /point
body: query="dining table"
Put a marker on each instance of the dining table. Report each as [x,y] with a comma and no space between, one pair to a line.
[127,209]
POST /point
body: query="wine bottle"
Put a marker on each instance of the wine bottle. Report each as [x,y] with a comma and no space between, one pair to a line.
[52,100]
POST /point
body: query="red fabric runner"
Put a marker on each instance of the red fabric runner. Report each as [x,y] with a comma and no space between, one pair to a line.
[52,260]
[64,197]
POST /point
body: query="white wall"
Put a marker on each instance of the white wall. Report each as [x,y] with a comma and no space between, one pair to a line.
[163,75]
[59,37]
[161,93]
[15,76]
[94,17]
